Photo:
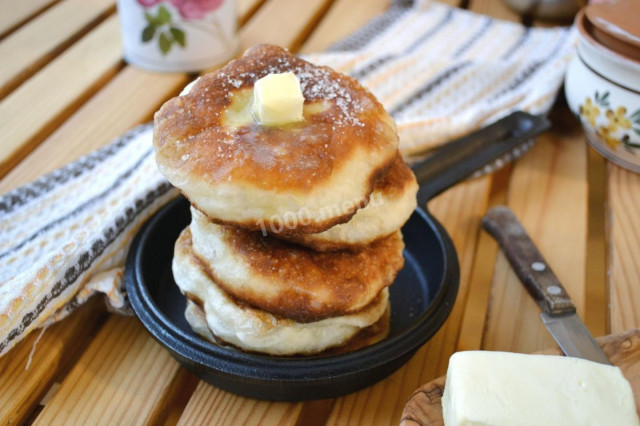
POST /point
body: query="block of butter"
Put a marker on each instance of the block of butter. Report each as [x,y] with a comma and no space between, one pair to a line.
[277,99]
[501,388]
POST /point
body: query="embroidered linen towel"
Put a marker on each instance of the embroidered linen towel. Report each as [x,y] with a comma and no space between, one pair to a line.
[440,71]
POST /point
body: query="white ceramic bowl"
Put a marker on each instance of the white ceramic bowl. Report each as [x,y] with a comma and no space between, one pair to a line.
[603,90]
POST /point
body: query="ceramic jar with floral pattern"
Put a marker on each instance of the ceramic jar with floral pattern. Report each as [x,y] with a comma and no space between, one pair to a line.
[602,83]
[178,35]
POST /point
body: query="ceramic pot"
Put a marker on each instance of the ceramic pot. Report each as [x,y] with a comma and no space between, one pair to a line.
[602,86]
[178,35]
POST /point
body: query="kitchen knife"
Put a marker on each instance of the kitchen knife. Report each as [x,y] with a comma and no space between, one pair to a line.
[558,311]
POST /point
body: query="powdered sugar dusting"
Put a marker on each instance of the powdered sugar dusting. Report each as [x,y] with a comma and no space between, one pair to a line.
[317,84]
[214,136]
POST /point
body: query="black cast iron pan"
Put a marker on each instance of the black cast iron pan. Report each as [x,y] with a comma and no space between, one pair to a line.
[422,295]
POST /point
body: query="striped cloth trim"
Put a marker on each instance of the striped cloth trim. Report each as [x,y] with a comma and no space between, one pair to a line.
[65,236]
[440,71]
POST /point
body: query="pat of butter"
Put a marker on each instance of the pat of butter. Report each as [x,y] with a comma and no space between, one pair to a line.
[277,99]
[501,388]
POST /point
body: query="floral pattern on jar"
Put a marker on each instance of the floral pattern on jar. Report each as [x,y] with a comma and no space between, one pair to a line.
[612,124]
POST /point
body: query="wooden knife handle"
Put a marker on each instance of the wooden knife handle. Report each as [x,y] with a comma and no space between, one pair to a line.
[526,260]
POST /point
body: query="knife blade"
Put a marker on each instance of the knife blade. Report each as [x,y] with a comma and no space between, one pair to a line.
[558,311]
[573,337]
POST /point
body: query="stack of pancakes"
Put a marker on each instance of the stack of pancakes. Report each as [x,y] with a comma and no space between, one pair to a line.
[295,234]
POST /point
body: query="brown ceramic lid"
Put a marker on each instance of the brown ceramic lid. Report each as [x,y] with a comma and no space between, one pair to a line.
[616,26]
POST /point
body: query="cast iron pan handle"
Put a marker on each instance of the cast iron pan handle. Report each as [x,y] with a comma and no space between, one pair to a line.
[459,159]
[527,262]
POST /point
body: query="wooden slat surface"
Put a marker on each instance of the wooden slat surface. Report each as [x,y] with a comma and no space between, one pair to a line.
[344,17]
[32,111]
[275,20]
[209,405]
[84,96]
[624,233]
[246,9]
[596,287]
[127,100]
[496,9]
[120,379]
[55,352]
[16,12]
[33,45]
[474,319]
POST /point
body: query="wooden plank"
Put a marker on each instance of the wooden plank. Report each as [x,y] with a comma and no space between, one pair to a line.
[459,210]
[624,243]
[476,307]
[454,3]
[119,379]
[34,110]
[129,99]
[596,312]
[283,22]
[178,397]
[344,17]
[246,9]
[35,44]
[210,405]
[548,193]
[495,9]
[16,12]
[55,352]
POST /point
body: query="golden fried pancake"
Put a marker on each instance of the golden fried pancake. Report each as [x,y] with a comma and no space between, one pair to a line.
[300,177]
[290,280]
[390,206]
[197,319]
[221,317]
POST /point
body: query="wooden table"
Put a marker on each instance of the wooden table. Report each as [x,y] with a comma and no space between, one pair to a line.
[65,91]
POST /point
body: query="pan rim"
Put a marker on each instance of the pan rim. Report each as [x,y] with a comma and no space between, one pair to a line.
[248,366]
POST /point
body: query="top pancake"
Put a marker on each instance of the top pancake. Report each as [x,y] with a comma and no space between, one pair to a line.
[236,171]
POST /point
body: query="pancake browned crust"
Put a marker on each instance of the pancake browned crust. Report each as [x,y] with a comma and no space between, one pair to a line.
[376,332]
[391,204]
[234,322]
[290,280]
[250,175]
